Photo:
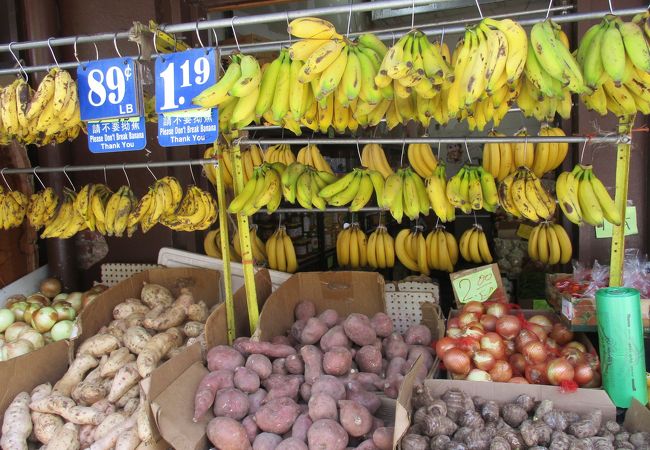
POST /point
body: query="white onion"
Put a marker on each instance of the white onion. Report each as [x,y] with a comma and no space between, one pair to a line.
[34,337]
[37,297]
[6,318]
[478,375]
[18,348]
[18,309]
[44,319]
[65,311]
[30,310]
[74,298]
[14,330]
[62,330]
[60,298]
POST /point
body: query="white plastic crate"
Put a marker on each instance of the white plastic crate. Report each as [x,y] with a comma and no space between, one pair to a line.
[113,273]
[25,285]
[404,301]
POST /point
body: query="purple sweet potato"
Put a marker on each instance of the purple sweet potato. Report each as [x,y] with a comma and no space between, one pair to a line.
[279,368]
[266,441]
[322,406]
[207,390]
[227,434]
[337,361]
[394,346]
[355,418]
[418,335]
[395,367]
[368,380]
[224,357]
[359,330]
[251,428]
[281,340]
[296,330]
[277,416]
[292,444]
[330,317]
[305,392]
[416,351]
[261,365]
[368,359]
[335,337]
[392,385]
[290,388]
[246,380]
[301,426]
[255,400]
[294,364]
[383,438]
[314,329]
[329,385]
[313,360]
[326,434]
[382,324]
[356,392]
[231,402]
[368,444]
[304,310]
[265,348]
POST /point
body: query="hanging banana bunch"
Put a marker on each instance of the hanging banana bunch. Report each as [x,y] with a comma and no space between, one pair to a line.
[352,247]
[549,156]
[549,243]
[442,249]
[280,153]
[310,155]
[373,157]
[257,246]
[405,194]
[67,222]
[436,186]
[473,188]
[163,197]
[303,183]
[498,158]
[355,188]
[212,246]
[13,207]
[42,207]
[280,252]
[197,211]
[522,195]
[422,159]
[381,249]
[474,247]
[264,189]
[411,250]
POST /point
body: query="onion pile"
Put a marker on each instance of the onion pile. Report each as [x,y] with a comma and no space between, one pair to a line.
[29,323]
[488,343]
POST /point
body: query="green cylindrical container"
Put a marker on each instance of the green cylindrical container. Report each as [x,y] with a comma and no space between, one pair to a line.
[620,333]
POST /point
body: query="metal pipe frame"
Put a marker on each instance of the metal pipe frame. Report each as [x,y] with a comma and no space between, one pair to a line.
[430,29]
[94,167]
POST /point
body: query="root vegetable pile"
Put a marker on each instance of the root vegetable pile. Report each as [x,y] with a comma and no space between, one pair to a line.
[97,403]
[456,421]
[317,387]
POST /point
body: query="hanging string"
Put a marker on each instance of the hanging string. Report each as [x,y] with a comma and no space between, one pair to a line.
[439,144]
[582,152]
[475,220]
[611,9]
[105,178]
[359,152]
[401,158]
[128,182]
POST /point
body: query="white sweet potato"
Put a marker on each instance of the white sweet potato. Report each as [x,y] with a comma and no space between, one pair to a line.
[88,392]
[193,329]
[382,324]
[116,360]
[277,416]
[207,390]
[359,330]
[99,345]
[66,408]
[125,378]
[198,312]
[231,402]
[227,434]
[335,337]
[111,421]
[153,295]
[109,440]
[170,317]
[128,440]
[134,320]
[126,308]
[304,310]
[355,418]
[224,357]
[322,406]
[314,329]
[185,299]
[66,438]
[327,434]
[143,424]
[45,425]
[75,373]
[131,406]
[86,433]
[17,425]
[154,350]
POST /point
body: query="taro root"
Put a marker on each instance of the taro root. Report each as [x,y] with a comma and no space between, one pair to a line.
[414,442]
[435,425]
[513,414]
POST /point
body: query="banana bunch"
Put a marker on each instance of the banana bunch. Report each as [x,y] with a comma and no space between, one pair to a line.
[263,189]
[405,194]
[473,188]
[442,249]
[67,222]
[42,207]
[303,183]
[615,59]
[250,157]
[212,246]
[51,114]
[352,247]
[543,108]
[197,211]
[257,246]
[83,205]
[381,249]
[549,156]
[373,157]
[355,188]
[13,207]
[280,252]
[584,198]
[310,155]
[522,195]
[236,93]
[523,153]
[549,243]
[116,212]
[163,197]
[422,159]
[412,251]
[279,153]
[474,247]
[437,193]
[498,157]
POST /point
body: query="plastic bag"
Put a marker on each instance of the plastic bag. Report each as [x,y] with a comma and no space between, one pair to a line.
[634,272]
[599,279]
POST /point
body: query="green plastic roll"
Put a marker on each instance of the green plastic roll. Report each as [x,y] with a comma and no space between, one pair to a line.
[620,333]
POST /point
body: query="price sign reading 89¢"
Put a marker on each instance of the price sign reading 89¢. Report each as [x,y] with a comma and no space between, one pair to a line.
[182,76]
[108,89]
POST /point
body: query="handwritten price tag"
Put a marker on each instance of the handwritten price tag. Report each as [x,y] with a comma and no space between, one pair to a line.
[475,284]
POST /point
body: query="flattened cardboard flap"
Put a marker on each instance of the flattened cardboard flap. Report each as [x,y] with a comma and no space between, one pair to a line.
[637,417]
[345,292]
[403,406]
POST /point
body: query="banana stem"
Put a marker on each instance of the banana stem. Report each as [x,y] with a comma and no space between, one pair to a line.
[622,178]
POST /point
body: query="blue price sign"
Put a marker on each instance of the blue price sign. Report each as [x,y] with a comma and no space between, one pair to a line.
[117,135]
[108,88]
[182,76]
[191,127]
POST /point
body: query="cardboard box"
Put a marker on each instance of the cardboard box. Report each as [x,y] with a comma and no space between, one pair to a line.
[171,387]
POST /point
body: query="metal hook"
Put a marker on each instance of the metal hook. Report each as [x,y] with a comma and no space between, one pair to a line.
[105,178]
[582,152]
[38,178]
[358,150]
[439,144]
[52,51]
[22,69]
[126,175]
[2,172]
[198,35]
[151,172]
[192,173]
[442,36]
[117,50]
[74,46]
[479,8]
[392,33]
[69,179]
[611,9]
[475,220]
[467,150]
[349,19]
[548,11]
[288,26]
[139,51]
[234,33]
[155,47]
[401,159]
[413,14]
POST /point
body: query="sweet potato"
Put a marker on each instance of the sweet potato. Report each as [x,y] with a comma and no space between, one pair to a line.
[128,440]
[391,386]
[277,416]
[154,350]
[251,428]
[281,340]
[109,440]
[288,388]
[75,373]
[207,390]
[301,426]
[227,434]
[66,408]
[359,330]
[246,380]
[326,434]
[135,339]
[292,444]
[198,312]
[355,418]
[279,368]
[395,367]
[368,358]
[383,438]
[337,361]
[330,317]
[322,406]
[382,324]
[170,317]
[294,364]
[117,359]
[115,328]
[261,365]
[330,385]
[356,392]
[128,307]
[416,351]
[231,402]
[335,337]
[86,435]
[98,345]
[266,349]
[305,392]
[296,331]
[418,335]
[185,299]
[313,360]
[17,425]
[89,392]
[224,357]
[368,444]
[44,425]
[367,380]
[255,400]
[314,329]
[66,438]
[266,441]
[111,421]
[394,346]
[193,329]
[154,295]
[143,424]
[125,378]
[304,310]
